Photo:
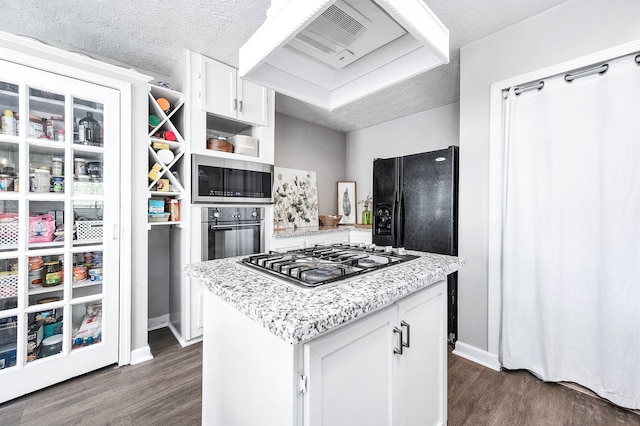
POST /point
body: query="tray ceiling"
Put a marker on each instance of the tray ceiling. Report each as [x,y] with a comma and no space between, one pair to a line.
[151,36]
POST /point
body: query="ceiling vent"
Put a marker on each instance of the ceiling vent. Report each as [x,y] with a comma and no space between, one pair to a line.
[330,35]
[329,53]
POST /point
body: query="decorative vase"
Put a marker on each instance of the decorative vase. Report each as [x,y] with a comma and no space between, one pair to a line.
[366,217]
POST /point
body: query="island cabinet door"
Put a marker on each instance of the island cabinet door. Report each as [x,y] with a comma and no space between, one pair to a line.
[422,375]
[350,374]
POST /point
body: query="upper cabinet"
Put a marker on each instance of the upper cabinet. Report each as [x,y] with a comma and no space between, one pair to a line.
[224,94]
[228,117]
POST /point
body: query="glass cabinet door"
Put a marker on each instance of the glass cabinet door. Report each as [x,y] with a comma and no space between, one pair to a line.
[59,221]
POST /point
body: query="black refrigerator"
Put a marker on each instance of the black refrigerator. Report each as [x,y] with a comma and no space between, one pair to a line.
[415,206]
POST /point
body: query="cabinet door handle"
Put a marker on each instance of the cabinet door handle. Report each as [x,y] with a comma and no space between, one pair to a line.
[401,345]
[235,104]
[406,324]
[240,109]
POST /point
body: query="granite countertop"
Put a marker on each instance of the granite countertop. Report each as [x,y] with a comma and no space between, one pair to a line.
[311,230]
[297,314]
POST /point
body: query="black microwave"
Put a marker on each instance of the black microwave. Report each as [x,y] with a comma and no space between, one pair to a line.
[224,180]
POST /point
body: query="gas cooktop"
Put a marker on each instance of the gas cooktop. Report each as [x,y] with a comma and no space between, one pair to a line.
[320,265]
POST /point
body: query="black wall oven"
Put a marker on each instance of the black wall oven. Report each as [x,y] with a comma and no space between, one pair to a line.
[231,231]
[221,180]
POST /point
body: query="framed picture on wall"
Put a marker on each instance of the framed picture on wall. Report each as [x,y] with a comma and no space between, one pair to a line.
[347,202]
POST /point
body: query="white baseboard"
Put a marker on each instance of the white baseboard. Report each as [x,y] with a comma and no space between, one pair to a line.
[479,356]
[158,322]
[141,355]
[180,339]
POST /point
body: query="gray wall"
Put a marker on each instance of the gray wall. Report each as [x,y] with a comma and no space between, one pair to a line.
[159,271]
[421,132]
[569,31]
[306,146]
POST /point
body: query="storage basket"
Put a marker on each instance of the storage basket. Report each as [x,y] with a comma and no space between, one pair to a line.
[8,284]
[9,233]
[88,230]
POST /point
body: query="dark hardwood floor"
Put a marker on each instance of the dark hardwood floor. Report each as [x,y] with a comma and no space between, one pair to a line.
[167,389]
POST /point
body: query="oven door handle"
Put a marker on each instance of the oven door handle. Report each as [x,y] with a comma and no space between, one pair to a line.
[232,226]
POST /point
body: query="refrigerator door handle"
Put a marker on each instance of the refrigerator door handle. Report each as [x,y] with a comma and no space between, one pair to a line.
[399,222]
[394,217]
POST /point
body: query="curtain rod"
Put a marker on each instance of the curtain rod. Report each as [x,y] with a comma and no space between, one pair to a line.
[569,77]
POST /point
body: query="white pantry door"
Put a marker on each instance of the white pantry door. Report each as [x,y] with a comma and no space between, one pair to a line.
[59,221]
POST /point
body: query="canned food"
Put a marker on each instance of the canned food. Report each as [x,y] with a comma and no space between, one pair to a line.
[95,274]
[35,262]
[35,278]
[80,273]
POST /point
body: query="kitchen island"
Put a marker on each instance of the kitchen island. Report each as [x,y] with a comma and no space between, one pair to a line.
[367,351]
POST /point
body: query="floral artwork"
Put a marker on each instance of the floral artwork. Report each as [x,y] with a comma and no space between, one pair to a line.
[347,202]
[295,196]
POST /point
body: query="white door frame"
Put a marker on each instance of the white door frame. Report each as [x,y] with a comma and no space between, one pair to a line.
[496,176]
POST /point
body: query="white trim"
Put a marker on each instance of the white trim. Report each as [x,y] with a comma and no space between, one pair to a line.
[479,356]
[158,322]
[66,62]
[125,237]
[141,355]
[180,339]
[496,169]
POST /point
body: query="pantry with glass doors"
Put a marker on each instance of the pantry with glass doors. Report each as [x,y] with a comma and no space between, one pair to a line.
[60,183]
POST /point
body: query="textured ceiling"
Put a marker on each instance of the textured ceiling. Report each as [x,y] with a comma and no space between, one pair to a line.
[151,35]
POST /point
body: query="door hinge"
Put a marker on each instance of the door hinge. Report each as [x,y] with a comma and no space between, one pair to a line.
[302,383]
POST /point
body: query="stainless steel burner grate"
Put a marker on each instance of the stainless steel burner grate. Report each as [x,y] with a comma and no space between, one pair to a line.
[321,265]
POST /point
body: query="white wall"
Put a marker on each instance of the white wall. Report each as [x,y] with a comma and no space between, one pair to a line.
[421,132]
[569,31]
[306,146]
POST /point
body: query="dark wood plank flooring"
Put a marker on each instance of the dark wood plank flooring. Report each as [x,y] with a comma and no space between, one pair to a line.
[167,391]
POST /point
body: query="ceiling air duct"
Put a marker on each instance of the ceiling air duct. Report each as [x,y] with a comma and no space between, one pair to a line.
[329,53]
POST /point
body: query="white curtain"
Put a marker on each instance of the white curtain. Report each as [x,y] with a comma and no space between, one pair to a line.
[571,236]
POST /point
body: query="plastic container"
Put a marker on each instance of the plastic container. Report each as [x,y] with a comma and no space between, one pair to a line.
[156,205]
[52,345]
[57,167]
[42,180]
[58,184]
[80,166]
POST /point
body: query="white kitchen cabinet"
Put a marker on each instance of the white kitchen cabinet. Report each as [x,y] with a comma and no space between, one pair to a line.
[353,375]
[360,374]
[422,368]
[349,374]
[227,95]
[59,243]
